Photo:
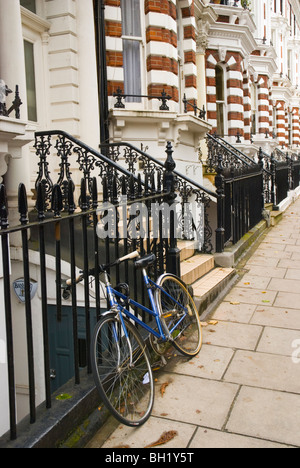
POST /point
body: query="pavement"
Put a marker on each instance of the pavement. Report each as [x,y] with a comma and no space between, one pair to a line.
[243,389]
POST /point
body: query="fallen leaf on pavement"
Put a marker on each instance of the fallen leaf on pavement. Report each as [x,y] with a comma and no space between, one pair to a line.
[163,388]
[164,438]
[213,322]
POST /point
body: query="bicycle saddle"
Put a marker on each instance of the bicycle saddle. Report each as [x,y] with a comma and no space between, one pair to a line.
[145,261]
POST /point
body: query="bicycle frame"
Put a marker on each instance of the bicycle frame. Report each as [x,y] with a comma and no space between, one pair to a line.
[112,294]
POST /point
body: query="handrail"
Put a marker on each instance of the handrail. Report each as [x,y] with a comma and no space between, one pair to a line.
[87,148]
[222,145]
[159,163]
[117,166]
[233,149]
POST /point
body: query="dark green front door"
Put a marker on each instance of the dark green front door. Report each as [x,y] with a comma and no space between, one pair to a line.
[62,346]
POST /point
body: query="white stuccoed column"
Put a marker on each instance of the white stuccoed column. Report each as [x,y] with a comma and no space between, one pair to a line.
[12,71]
[12,61]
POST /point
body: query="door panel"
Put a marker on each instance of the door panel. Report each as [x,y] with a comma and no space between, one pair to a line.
[62,346]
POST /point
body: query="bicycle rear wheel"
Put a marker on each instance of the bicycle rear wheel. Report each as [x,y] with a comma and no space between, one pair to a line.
[122,370]
[176,305]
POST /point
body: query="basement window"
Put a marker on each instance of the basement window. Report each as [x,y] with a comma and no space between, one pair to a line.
[29,5]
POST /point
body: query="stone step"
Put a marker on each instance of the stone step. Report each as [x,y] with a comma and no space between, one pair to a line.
[210,287]
[276,217]
[187,249]
[195,267]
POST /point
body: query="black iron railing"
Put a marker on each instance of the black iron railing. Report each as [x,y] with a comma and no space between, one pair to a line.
[201,113]
[16,104]
[70,235]
[281,174]
[240,189]
[119,95]
[73,225]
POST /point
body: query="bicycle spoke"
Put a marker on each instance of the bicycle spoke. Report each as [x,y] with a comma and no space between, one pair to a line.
[120,365]
[179,314]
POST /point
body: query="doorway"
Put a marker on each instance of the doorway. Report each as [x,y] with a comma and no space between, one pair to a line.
[61,343]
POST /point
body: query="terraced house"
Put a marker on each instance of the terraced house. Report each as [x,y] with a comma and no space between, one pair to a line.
[191,103]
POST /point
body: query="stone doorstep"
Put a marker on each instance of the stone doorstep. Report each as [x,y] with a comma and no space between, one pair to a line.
[211,288]
[195,267]
[187,249]
[276,217]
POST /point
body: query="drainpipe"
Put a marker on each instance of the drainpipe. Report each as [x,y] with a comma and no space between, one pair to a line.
[99,8]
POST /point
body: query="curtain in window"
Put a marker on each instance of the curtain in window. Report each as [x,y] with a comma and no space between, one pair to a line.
[131,24]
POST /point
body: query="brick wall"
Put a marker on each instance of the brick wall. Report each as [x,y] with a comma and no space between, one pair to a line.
[263,105]
[281,123]
[114,48]
[161,47]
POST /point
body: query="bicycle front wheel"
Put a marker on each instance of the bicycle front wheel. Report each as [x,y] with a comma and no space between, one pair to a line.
[176,306]
[122,370]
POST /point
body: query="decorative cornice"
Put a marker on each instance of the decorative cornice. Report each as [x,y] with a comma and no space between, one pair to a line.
[233,37]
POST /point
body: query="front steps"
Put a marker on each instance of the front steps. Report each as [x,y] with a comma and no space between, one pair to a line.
[209,283]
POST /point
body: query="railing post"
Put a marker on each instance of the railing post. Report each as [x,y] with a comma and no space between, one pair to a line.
[219,183]
[173,254]
[263,188]
[290,164]
[8,313]
[273,184]
[23,210]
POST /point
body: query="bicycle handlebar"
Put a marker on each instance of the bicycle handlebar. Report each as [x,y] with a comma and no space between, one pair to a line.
[102,268]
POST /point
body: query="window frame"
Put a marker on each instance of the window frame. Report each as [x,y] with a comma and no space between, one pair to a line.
[222,103]
[35,30]
[134,102]
[254,109]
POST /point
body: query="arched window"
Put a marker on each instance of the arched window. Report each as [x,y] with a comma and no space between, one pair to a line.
[221,100]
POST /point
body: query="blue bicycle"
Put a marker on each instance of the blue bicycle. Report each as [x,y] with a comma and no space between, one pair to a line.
[120,358]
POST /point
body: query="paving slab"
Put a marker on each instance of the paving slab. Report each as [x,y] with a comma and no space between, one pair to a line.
[233,335]
[289,263]
[270,244]
[276,317]
[284,285]
[251,296]
[268,272]
[293,273]
[264,370]
[293,248]
[148,434]
[261,260]
[211,363]
[266,414]
[278,341]
[251,281]
[289,300]
[192,400]
[208,438]
[241,313]
[268,251]
[279,239]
